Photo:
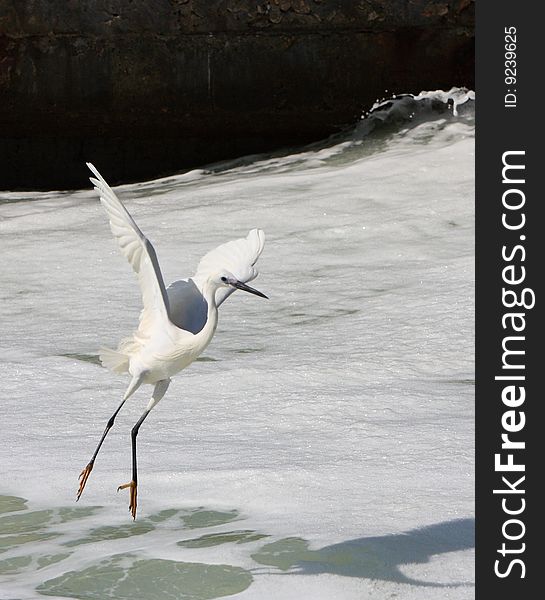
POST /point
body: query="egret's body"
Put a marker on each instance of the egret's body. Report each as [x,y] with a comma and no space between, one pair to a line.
[177,323]
[168,349]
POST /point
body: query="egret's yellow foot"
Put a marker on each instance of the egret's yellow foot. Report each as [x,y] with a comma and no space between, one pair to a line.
[132,503]
[83,477]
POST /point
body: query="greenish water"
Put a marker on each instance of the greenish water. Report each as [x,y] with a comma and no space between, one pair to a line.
[66,552]
[90,358]
[215,539]
[126,577]
[26,537]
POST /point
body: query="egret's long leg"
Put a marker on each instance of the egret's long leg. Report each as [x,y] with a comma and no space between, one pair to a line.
[158,392]
[84,475]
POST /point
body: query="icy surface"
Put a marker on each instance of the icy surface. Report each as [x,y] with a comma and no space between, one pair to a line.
[323,446]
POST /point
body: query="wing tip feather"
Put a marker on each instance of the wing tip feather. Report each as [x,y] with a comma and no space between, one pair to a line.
[94,170]
[257,236]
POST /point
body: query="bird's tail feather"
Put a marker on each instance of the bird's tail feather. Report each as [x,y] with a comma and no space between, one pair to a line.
[116,361]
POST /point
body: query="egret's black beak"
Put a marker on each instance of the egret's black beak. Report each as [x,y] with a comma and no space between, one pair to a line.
[242,286]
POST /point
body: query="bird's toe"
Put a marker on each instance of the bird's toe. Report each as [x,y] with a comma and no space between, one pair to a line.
[133,494]
[83,477]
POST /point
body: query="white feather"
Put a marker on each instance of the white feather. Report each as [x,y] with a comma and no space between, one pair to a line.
[182,304]
[140,253]
[237,256]
[186,303]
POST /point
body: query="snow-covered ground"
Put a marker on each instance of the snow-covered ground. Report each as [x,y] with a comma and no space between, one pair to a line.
[323,446]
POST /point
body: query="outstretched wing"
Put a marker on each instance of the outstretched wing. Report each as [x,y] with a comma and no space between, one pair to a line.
[138,250]
[238,257]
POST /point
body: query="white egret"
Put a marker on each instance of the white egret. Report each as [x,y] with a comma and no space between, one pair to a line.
[177,323]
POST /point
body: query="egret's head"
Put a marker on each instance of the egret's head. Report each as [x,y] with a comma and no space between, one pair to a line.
[226,279]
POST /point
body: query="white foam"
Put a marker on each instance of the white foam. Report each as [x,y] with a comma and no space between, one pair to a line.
[339,412]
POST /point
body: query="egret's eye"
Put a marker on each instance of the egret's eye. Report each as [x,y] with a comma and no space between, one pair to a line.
[224,279]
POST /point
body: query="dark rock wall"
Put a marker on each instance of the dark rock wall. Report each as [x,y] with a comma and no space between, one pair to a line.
[148,87]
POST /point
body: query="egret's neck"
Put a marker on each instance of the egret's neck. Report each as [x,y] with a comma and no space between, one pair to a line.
[209,293]
[205,335]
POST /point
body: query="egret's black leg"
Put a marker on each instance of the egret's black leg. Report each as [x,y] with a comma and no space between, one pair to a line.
[158,392]
[84,475]
[135,383]
[134,483]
